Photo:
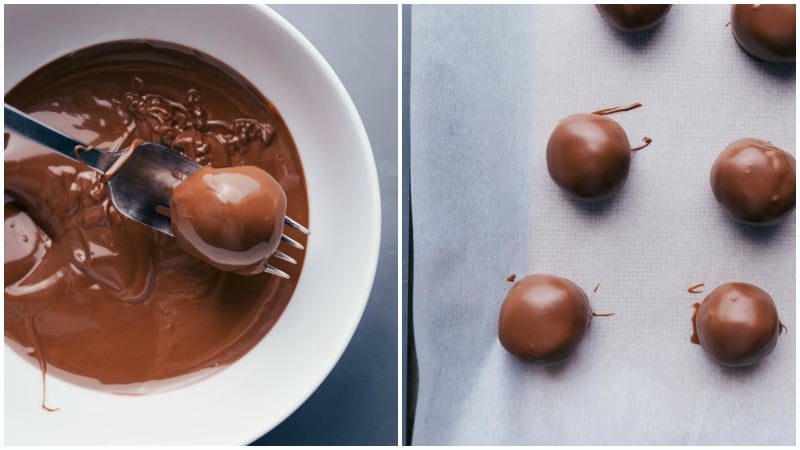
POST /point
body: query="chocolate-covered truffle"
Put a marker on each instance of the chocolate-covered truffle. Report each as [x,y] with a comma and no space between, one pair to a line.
[766,32]
[737,324]
[754,181]
[543,319]
[629,18]
[589,155]
[230,217]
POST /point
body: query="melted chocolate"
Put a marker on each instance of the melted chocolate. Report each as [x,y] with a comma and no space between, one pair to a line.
[589,155]
[767,32]
[737,324]
[231,217]
[631,18]
[754,181]
[105,300]
[695,288]
[543,319]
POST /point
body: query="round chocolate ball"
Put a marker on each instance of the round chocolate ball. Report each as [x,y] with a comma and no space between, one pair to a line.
[754,181]
[230,217]
[630,18]
[766,32]
[543,319]
[589,155]
[737,324]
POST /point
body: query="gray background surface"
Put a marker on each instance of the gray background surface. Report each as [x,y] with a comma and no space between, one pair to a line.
[357,403]
[488,84]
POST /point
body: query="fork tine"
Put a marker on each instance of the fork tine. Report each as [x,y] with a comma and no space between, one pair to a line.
[275,271]
[291,242]
[284,257]
[294,224]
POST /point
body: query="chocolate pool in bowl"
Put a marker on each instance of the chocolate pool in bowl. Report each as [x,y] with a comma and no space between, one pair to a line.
[105,298]
[252,395]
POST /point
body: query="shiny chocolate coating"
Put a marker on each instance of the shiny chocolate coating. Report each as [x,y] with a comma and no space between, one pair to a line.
[229,217]
[23,243]
[754,181]
[543,319]
[737,324]
[589,155]
[631,18]
[101,300]
[767,32]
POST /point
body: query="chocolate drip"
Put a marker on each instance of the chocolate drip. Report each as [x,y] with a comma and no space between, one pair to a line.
[695,288]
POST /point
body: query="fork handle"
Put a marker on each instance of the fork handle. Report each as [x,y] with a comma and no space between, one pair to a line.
[51,138]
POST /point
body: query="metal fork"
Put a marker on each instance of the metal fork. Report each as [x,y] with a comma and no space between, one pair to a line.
[142,184]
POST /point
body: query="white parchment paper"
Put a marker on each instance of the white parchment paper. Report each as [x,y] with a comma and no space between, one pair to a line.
[488,84]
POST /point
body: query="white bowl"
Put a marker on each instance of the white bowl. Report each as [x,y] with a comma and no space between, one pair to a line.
[250,397]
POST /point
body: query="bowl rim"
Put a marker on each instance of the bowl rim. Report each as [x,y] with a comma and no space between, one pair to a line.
[374,189]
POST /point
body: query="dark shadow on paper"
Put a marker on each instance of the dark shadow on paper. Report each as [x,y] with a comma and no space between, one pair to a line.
[637,40]
[739,374]
[557,370]
[593,208]
[755,233]
[538,369]
[783,72]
